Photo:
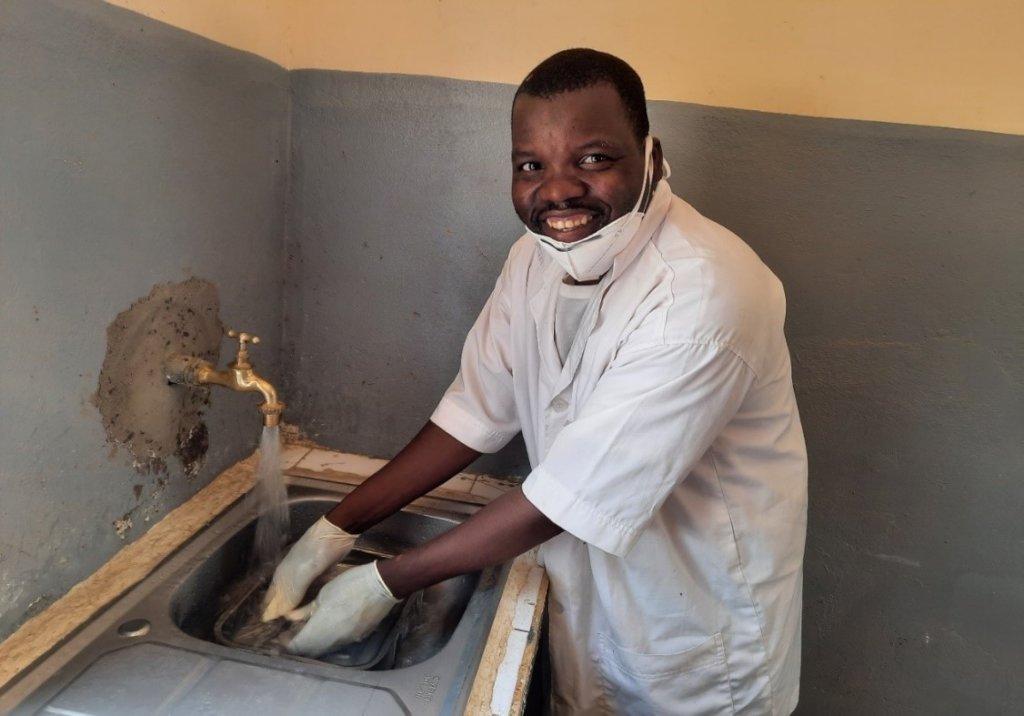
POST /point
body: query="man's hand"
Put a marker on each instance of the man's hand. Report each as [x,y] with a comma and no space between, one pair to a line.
[322,545]
[347,609]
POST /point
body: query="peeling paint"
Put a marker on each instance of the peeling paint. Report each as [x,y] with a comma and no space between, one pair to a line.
[122,525]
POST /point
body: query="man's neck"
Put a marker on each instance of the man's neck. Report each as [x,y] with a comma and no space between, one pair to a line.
[567,279]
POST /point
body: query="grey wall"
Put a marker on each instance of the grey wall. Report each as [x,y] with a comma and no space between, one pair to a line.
[399,221]
[901,250]
[131,154]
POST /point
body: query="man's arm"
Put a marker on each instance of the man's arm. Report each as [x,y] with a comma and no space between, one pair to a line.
[429,459]
[351,605]
[500,531]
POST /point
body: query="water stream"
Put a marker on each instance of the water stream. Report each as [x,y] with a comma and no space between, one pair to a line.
[270,500]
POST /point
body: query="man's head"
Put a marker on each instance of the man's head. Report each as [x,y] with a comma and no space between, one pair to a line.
[579,121]
[580,68]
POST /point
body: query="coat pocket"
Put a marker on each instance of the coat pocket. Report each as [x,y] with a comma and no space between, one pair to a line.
[692,682]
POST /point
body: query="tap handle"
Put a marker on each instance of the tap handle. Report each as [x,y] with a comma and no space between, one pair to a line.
[243,338]
[242,361]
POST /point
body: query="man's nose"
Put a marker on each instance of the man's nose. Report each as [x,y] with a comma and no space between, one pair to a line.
[560,186]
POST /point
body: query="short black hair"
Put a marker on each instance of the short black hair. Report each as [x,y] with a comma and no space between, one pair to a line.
[579,68]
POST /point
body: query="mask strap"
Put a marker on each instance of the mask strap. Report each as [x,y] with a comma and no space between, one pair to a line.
[647,191]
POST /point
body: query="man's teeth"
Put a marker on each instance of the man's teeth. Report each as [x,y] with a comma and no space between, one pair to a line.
[568,224]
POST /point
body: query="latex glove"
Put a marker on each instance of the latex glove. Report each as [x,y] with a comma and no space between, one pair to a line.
[322,545]
[347,609]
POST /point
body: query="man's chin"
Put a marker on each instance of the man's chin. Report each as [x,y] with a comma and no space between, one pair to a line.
[571,236]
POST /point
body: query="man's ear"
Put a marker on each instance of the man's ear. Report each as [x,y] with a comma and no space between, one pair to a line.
[657,159]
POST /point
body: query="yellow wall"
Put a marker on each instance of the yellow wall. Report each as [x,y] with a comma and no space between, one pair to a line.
[956,63]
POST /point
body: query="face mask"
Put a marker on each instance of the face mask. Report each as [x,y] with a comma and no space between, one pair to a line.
[591,257]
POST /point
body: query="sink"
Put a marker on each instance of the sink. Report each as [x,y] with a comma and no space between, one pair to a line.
[207,603]
[161,647]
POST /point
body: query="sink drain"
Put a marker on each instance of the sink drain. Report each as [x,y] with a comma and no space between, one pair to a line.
[134,627]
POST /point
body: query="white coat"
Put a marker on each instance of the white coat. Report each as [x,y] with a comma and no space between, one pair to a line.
[669,448]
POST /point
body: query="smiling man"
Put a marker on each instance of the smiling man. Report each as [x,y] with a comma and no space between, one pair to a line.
[639,348]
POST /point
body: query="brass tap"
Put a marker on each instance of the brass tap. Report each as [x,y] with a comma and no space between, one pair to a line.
[239,376]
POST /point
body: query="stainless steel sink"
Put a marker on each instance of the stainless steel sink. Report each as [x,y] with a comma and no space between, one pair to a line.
[154,651]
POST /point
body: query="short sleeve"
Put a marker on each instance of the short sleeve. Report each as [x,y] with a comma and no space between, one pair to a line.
[478,409]
[652,416]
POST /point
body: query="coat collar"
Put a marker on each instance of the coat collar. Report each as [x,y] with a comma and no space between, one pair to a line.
[542,302]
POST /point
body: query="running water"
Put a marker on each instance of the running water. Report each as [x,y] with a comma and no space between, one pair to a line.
[270,500]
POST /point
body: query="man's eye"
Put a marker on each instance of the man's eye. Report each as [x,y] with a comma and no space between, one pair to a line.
[528,166]
[595,159]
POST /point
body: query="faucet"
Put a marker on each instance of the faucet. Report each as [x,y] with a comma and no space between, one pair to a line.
[239,375]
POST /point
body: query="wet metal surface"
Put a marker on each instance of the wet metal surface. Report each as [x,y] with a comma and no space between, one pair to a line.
[156,648]
[416,629]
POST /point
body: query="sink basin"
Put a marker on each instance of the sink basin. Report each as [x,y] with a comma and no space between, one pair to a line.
[210,601]
[156,649]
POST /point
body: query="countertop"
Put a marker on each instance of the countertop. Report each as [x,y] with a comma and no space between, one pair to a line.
[507,661]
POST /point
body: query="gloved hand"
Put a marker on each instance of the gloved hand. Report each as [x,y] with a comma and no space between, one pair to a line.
[347,609]
[322,545]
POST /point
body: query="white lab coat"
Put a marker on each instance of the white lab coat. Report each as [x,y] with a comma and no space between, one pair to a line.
[669,449]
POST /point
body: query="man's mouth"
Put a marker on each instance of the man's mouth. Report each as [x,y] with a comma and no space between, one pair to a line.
[567,223]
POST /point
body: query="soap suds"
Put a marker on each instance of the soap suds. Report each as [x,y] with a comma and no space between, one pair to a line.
[155,421]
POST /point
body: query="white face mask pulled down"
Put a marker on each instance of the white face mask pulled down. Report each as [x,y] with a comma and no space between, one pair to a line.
[590,258]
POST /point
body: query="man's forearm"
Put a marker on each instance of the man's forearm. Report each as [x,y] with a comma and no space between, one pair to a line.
[500,531]
[429,459]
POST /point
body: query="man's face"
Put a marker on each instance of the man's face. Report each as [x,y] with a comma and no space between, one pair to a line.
[576,163]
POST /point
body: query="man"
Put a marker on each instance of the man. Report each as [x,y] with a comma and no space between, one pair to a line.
[639,348]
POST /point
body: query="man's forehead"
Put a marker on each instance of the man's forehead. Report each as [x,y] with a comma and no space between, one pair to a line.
[597,105]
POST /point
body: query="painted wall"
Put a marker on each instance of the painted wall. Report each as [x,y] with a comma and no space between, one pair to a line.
[954,63]
[399,221]
[901,251]
[131,154]
[900,247]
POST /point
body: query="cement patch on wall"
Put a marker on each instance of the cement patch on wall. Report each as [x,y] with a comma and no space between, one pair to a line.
[131,154]
[155,421]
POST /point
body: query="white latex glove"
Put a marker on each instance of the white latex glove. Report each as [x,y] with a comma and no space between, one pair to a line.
[347,609]
[322,545]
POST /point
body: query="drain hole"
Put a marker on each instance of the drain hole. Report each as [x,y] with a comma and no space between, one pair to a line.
[134,627]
